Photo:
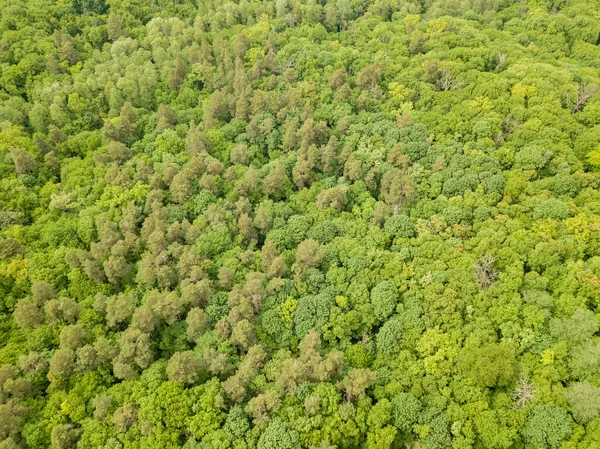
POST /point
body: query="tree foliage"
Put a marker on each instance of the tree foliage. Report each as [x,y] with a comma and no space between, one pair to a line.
[295,224]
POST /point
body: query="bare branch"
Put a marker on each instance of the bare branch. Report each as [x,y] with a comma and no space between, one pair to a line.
[485,274]
[449,81]
[509,126]
[524,392]
[501,59]
[584,93]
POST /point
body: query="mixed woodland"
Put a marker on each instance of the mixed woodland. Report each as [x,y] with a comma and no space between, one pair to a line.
[285,224]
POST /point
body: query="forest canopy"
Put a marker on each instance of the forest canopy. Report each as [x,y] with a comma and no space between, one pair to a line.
[288,224]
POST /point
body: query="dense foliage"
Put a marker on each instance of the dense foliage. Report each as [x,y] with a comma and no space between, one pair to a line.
[287,224]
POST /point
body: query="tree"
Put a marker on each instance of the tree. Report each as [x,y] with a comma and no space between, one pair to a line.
[239,155]
[524,392]
[494,431]
[102,405]
[584,93]
[353,168]
[309,253]
[195,141]
[182,187]
[165,117]
[243,335]
[398,189]
[118,152]
[532,157]
[215,110]
[389,336]
[489,365]
[578,329]
[184,367]
[115,268]
[8,372]
[250,183]
[144,319]
[65,436]
[235,386]
[119,308]
[12,415]
[552,208]
[114,27]
[27,314]
[86,358]
[438,436]
[417,43]
[122,370]
[39,117]
[259,406]
[62,363]
[263,219]
[334,197]
[584,399]
[42,292]
[302,173]
[338,78]
[384,298]
[124,417]
[312,312]
[72,336]
[356,383]
[246,227]
[406,410]
[135,347]
[279,435]
[485,273]
[177,75]
[585,360]
[276,182]
[278,268]
[34,362]
[546,426]
[197,323]
[226,276]
[9,443]
[65,47]
[166,306]
[236,423]
[370,76]
[399,226]
[24,161]
[329,155]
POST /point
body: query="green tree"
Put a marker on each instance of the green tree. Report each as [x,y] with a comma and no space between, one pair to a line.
[312,312]
[406,410]
[276,183]
[584,399]
[384,298]
[399,226]
[27,314]
[62,363]
[552,208]
[356,383]
[279,435]
[124,417]
[197,323]
[389,335]
[184,367]
[65,436]
[489,365]
[546,426]
[24,161]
